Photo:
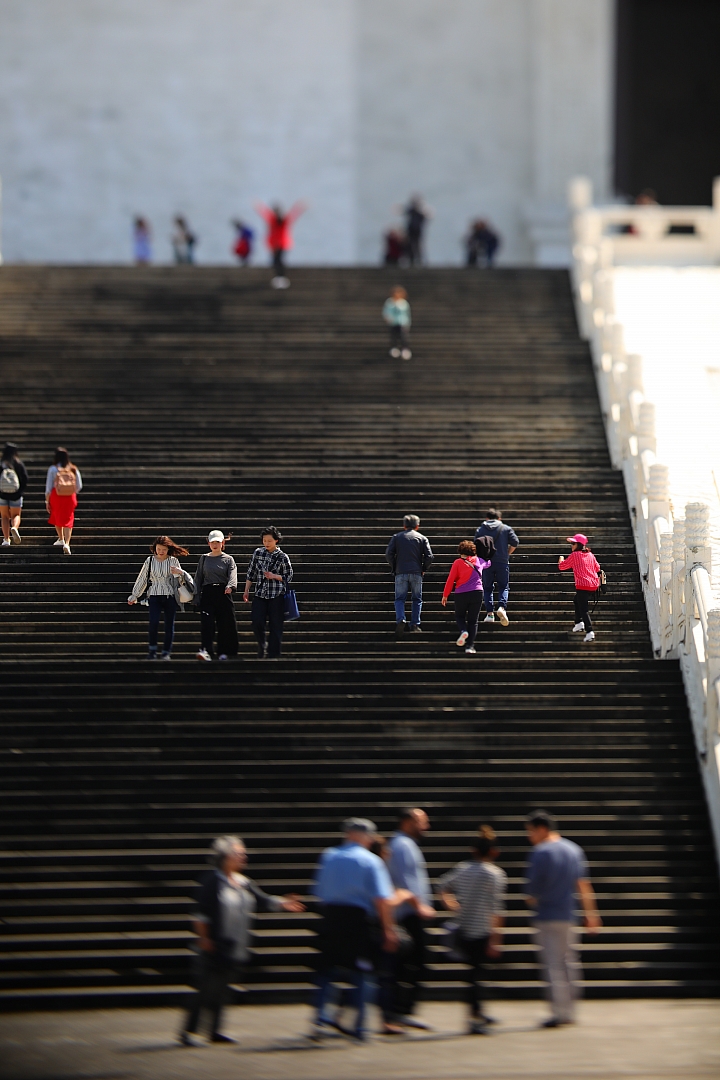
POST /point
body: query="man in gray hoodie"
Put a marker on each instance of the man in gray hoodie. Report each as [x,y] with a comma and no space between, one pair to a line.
[409,555]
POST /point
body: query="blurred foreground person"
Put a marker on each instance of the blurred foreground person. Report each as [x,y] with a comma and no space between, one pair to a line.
[354,889]
[408,870]
[557,874]
[481,244]
[227,901]
[475,890]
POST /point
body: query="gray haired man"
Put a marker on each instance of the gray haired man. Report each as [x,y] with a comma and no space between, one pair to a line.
[409,555]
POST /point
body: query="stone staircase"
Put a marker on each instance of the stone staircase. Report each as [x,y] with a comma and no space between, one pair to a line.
[197,398]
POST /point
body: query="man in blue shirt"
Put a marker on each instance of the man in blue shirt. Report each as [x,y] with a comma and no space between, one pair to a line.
[408,870]
[354,888]
[557,873]
[498,573]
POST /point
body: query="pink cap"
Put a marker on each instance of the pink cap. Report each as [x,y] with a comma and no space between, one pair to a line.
[578,538]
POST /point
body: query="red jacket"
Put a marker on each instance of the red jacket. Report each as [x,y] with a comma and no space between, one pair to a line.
[462,573]
[279,237]
[584,566]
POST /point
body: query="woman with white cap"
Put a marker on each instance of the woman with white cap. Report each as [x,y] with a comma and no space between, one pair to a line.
[215,582]
[586,568]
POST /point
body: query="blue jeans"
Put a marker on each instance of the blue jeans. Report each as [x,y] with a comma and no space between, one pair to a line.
[166,607]
[413,582]
[500,576]
[362,995]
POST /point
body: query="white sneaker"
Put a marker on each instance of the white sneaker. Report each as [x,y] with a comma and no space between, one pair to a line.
[222,657]
[280,283]
[203,654]
[578,627]
[489,618]
[462,639]
[17,538]
[502,616]
[58,543]
[471,651]
[406,354]
[590,636]
[395,353]
[6,543]
[66,549]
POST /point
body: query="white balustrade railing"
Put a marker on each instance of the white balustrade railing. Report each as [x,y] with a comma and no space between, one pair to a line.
[673,551]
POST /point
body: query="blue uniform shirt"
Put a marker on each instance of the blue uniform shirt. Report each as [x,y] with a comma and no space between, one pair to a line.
[350,874]
[408,870]
[553,870]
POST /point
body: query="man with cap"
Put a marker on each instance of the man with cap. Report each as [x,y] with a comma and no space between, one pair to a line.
[354,888]
[215,582]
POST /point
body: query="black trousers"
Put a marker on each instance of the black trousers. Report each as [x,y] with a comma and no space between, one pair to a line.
[475,952]
[217,609]
[411,966]
[214,973]
[582,606]
[272,611]
[467,613]
[398,337]
[279,262]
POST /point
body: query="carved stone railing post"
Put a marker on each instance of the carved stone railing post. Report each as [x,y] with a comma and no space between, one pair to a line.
[630,395]
[713,671]
[697,536]
[678,583]
[658,506]
[666,577]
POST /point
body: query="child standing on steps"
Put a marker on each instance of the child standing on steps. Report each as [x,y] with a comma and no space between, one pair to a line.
[585,568]
[396,313]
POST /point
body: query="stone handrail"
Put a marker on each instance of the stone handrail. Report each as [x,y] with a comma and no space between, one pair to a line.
[641,235]
[673,549]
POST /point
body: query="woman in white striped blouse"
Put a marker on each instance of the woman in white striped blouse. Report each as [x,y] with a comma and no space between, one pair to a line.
[157,584]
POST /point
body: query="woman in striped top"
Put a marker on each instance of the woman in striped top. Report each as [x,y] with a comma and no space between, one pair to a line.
[157,585]
[585,568]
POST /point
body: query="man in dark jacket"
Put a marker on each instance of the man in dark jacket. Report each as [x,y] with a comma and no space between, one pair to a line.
[498,573]
[227,901]
[409,555]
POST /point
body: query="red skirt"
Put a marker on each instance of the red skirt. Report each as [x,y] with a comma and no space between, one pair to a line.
[62,510]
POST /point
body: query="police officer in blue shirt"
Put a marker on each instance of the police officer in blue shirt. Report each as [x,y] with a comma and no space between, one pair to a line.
[354,887]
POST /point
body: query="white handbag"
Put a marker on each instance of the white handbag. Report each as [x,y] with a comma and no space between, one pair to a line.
[184,594]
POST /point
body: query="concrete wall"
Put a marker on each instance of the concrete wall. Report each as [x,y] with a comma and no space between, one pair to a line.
[114,107]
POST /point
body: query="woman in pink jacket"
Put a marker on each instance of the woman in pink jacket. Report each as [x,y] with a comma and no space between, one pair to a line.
[466,576]
[586,568]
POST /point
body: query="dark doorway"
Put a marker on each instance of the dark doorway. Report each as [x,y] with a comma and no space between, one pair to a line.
[667,102]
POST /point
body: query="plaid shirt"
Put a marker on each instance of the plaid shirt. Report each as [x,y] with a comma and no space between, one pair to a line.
[276,562]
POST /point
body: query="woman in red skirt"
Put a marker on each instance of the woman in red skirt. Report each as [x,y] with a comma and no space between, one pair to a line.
[61,491]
